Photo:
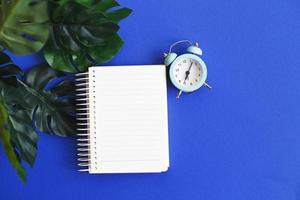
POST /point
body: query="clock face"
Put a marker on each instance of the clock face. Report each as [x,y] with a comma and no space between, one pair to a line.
[188,72]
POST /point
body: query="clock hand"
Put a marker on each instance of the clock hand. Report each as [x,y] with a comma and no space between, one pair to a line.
[190,66]
[187,73]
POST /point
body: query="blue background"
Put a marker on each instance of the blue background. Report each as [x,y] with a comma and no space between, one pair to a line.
[239,141]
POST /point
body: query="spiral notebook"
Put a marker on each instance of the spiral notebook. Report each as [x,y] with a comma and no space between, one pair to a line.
[122,119]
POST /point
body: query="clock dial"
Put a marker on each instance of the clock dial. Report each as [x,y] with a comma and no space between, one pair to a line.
[187,72]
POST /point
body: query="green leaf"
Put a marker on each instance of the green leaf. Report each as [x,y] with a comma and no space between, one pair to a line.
[83,33]
[16,131]
[19,126]
[50,109]
[87,3]
[110,8]
[105,5]
[18,123]
[118,15]
[23,136]
[42,98]
[23,25]
[106,52]
[7,146]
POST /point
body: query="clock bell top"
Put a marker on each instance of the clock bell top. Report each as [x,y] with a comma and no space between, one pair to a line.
[171,56]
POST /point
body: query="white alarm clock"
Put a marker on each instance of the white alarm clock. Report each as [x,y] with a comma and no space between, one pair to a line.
[188,71]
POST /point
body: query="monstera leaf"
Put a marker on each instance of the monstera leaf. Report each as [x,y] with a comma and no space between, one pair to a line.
[41,98]
[47,97]
[83,33]
[24,25]
[16,131]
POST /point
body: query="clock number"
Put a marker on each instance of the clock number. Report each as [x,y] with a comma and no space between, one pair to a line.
[184,61]
[177,70]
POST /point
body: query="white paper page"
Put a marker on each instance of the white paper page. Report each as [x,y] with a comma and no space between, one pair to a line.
[129,115]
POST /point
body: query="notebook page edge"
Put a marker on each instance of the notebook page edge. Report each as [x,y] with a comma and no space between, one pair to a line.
[165,163]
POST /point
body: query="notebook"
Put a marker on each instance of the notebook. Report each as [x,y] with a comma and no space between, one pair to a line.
[122,119]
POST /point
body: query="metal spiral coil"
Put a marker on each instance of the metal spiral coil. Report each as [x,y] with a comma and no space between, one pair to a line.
[82,116]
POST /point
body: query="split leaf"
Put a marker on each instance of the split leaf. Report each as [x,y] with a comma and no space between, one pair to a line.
[48,98]
[83,33]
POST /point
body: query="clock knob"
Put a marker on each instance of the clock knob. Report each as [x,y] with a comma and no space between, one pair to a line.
[169,58]
[194,49]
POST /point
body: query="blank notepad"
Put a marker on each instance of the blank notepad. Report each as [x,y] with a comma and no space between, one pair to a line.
[124,128]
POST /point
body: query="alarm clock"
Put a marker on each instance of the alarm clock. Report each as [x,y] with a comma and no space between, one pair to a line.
[188,71]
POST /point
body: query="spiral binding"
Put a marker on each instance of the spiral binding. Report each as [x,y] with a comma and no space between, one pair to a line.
[83,121]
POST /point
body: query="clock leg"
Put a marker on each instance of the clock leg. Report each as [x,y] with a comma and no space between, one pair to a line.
[207,85]
[179,94]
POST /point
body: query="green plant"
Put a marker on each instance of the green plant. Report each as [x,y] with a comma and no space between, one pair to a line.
[26,103]
[47,107]
[83,34]
[73,35]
